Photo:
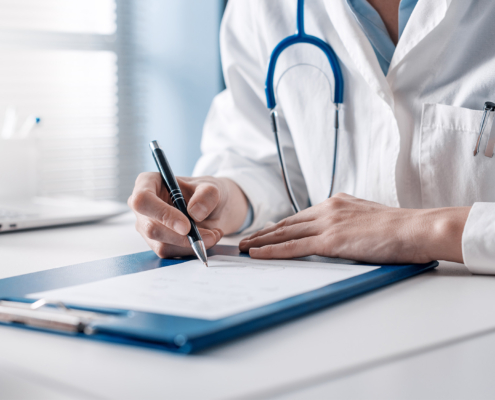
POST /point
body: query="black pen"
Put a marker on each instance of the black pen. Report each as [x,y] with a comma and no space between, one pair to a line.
[178,200]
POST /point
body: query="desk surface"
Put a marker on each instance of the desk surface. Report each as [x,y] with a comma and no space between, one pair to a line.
[410,326]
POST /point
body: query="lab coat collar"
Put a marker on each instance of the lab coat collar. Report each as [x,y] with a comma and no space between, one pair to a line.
[426,16]
[359,48]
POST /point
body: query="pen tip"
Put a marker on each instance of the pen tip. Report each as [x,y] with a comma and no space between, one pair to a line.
[206,264]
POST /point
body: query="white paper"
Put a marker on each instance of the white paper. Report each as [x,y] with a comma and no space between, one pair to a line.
[230,285]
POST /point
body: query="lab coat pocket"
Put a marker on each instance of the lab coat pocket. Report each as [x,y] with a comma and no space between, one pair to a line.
[450,174]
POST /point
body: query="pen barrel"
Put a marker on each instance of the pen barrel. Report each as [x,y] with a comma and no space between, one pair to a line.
[165,170]
[174,191]
[193,234]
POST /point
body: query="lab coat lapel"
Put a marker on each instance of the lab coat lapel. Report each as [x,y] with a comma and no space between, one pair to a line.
[426,16]
[358,47]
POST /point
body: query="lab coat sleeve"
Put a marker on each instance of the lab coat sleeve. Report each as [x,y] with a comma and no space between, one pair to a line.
[237,139]
[478,239]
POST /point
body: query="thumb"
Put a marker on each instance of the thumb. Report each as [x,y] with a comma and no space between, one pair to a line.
[204,200]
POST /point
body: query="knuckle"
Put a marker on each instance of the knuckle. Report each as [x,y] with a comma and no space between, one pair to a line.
[137,201]
[335,203]
[210,193]
[165,215]
[150,230]
[210,189]
[150,175]
[140,177]
[162,251]
[266,250]
[145,176]
[280,231]
[290,245]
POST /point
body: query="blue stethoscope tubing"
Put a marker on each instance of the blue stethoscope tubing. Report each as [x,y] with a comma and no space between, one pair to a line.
[302,37]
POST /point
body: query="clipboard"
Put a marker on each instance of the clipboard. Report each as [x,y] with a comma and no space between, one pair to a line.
[168,332]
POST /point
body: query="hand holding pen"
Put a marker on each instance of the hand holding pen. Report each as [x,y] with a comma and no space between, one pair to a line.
[175,193]
[216,205]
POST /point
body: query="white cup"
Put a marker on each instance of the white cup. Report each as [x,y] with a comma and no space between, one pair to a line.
[18,168]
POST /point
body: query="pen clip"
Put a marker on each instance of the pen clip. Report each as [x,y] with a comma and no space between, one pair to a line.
[489,107]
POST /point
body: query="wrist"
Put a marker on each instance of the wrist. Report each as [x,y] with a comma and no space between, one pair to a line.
[442,232]
[234,206]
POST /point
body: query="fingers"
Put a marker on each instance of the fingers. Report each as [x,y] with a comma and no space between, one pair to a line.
[280,235]
[204,200]
[166,243]
[336,202]
[304,216]
[145,201]
[153,230]
[291,249]
[163,226]
[164,250]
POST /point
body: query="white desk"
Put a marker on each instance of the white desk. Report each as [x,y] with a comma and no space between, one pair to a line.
[344,349]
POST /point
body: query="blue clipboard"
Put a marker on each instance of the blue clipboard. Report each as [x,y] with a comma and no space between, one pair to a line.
[183,334]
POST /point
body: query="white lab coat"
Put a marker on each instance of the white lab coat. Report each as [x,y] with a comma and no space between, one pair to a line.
[406,140]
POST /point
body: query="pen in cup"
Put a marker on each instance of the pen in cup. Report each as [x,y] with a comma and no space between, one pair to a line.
[178,201]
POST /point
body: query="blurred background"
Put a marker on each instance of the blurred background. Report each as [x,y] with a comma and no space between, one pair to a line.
[106,77]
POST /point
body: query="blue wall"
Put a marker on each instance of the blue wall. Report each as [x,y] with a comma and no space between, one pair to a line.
[180,65]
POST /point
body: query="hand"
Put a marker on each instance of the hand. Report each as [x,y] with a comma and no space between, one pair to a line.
[346,227]
[217,205]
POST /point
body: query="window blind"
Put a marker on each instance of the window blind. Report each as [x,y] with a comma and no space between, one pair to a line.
[71,62]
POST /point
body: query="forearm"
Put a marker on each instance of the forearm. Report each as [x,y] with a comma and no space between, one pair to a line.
[235,207]
[439,232]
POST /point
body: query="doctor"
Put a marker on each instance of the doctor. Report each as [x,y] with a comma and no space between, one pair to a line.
[408,187]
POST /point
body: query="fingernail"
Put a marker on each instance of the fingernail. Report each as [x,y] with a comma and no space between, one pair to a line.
[181,227]
[253,250]
[198,212]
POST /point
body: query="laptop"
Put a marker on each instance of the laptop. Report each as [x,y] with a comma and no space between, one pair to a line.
[40,212]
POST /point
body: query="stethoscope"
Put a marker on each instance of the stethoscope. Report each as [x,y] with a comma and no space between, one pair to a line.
[301,37]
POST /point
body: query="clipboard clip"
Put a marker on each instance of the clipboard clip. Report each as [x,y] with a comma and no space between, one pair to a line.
[49,314]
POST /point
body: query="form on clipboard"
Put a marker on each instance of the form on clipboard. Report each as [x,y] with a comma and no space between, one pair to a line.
[180,305]
[230,285]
